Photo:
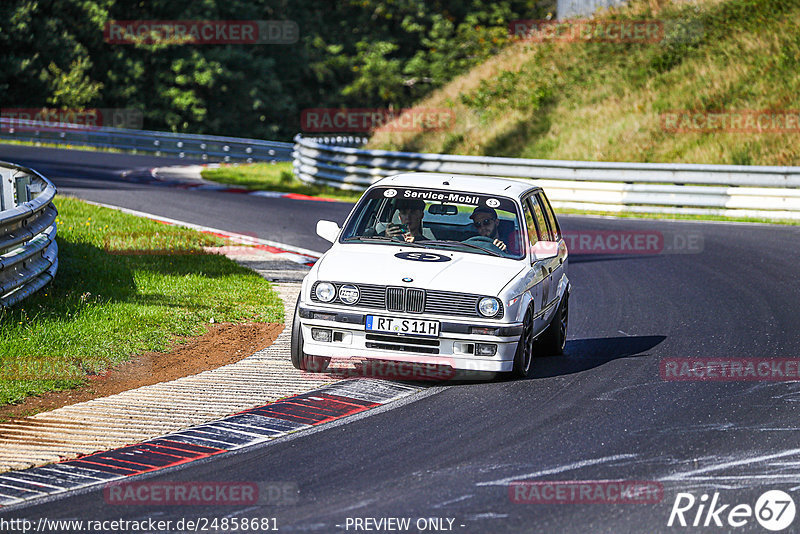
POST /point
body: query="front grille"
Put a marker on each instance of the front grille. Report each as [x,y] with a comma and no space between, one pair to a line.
[371,296]
[394,299]
[414,300]
[402,344]
[403,339]
[402,348]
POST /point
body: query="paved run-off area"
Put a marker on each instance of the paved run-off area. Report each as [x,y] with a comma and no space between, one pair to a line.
[151,411]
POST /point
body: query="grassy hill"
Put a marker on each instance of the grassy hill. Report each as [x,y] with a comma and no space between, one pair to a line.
[603,101]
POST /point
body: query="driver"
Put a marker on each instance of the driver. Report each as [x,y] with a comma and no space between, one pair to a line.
[486,223]
[410,211]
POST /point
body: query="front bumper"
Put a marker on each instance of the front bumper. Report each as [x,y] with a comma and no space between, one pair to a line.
[455,346]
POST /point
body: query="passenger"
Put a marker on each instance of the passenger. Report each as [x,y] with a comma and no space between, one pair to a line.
[411,211]
[487,225]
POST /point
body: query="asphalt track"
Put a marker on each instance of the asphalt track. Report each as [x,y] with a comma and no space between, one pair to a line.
[98,176]
[601,412]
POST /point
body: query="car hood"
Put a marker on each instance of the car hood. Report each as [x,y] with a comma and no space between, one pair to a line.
[377,264]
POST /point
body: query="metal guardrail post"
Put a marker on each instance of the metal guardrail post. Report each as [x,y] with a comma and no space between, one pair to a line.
[202,147]
[28,247]
[6,190]
[23,184]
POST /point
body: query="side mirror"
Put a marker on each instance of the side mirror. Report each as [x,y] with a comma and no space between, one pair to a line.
[328,230]
[544,250]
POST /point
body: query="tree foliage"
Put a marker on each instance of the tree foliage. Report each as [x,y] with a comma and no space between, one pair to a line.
[359,53]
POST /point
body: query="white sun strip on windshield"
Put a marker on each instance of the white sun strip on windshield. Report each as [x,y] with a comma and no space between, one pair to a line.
[462,221]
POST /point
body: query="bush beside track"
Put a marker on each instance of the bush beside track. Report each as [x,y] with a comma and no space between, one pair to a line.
[125,286]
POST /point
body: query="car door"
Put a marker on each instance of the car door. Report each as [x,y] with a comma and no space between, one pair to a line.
[539,287]
[545,266]
[555,266]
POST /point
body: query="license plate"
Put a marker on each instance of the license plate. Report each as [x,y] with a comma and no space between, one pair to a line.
[395,325]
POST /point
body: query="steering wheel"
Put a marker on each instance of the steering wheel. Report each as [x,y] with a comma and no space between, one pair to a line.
[481,240]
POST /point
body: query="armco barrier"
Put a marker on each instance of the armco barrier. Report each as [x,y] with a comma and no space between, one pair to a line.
[28,250]
[728,190]
[205,147]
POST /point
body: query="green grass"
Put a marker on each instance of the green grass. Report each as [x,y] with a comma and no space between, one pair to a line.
[274,177]
[120,292]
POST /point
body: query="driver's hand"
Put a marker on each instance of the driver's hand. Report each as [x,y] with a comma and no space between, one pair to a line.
[409,237]
[393,230]
[499,244]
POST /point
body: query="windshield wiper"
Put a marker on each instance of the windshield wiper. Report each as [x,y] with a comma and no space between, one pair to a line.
[462,244]
[382,238]
[368,237]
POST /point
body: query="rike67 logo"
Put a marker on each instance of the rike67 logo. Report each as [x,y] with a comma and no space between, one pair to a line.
[774,510]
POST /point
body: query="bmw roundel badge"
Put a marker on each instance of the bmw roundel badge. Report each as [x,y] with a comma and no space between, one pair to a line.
[408,279]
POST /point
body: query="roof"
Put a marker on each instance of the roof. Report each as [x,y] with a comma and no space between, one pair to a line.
[488,185]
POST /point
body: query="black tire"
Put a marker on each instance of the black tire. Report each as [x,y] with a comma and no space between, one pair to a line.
[554,338]
[301,360]
[523,358]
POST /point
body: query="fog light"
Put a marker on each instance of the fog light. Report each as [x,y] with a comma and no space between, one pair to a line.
[321,334]
[485,349]
[325,316]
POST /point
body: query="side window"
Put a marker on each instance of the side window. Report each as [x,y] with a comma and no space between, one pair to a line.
[533,236]
[551,217]
[544,231]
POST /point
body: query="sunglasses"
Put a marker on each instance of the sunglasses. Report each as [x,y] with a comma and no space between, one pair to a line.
[484,222]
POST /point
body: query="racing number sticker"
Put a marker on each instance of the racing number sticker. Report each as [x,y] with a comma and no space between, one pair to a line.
[421,256]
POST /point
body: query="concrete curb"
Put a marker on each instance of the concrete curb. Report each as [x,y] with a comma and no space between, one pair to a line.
[151,411]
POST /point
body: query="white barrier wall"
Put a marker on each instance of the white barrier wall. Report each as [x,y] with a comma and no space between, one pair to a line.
[728,190]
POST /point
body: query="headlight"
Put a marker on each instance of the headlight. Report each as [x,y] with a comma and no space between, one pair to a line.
[488,306]
[349,294]
[325,291]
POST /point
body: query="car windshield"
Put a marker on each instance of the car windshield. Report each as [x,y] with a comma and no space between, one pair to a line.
[437,219]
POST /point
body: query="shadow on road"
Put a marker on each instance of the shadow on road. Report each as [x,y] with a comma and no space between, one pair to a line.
[582,354]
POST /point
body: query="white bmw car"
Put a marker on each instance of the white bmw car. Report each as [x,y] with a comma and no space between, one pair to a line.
[464,272]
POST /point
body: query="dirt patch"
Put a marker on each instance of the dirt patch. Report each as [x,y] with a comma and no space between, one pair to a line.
[221,345]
